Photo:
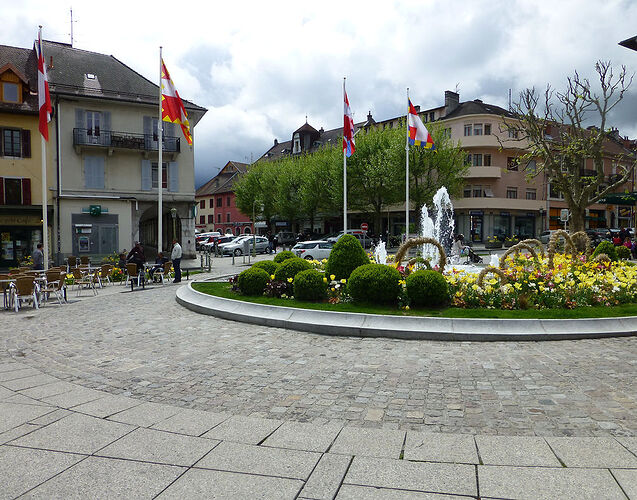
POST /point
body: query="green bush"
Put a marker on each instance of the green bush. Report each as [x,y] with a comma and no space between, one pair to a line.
[252,281]
[623,252]
[267,265]
[427,288]
[606,247]
[309,285]
[375,283]
[346,255]
[289,268]
[284,255]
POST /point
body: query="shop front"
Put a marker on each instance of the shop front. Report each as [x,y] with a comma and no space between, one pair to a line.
[19,235]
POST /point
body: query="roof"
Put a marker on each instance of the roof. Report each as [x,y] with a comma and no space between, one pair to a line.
[224,181]
[477,107]
[306,127]
[24,63]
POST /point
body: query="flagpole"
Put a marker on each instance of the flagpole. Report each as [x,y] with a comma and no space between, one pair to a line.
[45,221]
[344,175]
[160,169]
[407,171]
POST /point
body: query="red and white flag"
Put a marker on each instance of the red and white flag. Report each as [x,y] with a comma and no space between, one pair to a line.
[348,128]
[172,107]
[44,99]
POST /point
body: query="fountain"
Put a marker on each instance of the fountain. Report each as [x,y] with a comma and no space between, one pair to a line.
[380,253]
[440,227]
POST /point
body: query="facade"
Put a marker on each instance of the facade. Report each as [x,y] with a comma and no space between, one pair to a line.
[105,146]
[21,158]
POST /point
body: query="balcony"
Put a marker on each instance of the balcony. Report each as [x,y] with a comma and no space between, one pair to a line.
[113,139]
[484,173]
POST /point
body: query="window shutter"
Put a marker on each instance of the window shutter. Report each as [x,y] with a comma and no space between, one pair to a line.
[1,190]
[173,176]
[148,137]
[98,172]
[26,191]
[80,118]
[169,127]
[106,127]
[26,144]
[88,172]
[147,179]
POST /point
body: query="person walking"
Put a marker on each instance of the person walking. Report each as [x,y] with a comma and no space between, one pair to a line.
[38,258]
[175,256]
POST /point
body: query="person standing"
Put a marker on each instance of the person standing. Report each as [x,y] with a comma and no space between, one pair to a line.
[175,256]
[38,258]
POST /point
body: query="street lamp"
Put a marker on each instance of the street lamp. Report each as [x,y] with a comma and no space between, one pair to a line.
[254,234]
[173,214]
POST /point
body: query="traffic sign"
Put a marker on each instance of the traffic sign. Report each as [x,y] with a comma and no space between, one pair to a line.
[364,226]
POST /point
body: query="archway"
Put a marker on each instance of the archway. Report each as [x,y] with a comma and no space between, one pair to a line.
[171,228]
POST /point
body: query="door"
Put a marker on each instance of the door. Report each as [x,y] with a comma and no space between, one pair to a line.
[107,239]
[93,125]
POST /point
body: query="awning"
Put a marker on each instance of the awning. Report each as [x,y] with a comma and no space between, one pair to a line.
[620,198]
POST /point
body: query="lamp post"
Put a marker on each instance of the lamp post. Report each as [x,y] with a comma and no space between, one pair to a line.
[173,214]
[254,235]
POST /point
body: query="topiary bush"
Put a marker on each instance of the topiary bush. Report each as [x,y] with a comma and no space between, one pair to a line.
[427,288]
[289,268]
[346,255]
[284,255]
[252,281]
[267,265]
[623,252]
[375,283]
[605,247]
[310,285]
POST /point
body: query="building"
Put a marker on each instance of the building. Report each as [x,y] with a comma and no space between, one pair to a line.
[21,158]
[105,145]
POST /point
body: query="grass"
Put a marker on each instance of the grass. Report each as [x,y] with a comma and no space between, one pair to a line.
[223,290]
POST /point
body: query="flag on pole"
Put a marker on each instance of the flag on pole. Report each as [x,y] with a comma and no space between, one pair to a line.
[348,128]
[418,133]
[172,107]
[44,99]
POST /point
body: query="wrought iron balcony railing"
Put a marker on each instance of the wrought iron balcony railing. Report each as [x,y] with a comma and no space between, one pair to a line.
[124,140]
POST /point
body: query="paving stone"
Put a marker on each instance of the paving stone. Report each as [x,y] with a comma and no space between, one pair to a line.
[97,477]
[326,477]
[627,479]
[76,434]
[438,447]
[17,432]
[5,393]
[77,396]
[455,479]
[248,430]
[629,442]
[351,492]
[300,436]
[53,416]
[18,398]
[591,452]
[17,374]
[107,406]
[213,484]
[516,450]
[191,422]
[145,414]
[239,457]
[369,442]
[29,382]
[160,447]
[22,468]
[13,415]
[540,483]
[47,390]
[10,366]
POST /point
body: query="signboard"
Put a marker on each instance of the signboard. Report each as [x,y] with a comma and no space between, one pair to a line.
[95,210]
[564,214]
[364,226]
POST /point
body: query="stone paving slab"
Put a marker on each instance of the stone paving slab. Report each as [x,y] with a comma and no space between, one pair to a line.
[248,430]
[369,442]
[516,450]
[418,476]
[10,366]
[627,479]
[12,415]
[629,442]
[5,393]
[53,416]
[213,484]
[539,483]
[351,492]
[48,390]
[326,477]
[107,406]
[17,374]
[18,398]
[145,414]
[148,445]
[250,459]
[19,431]
[592,452]
[76,434]
[191,422]
[97,477]
[430,447]
[29,382]
[300,436]
[77,396]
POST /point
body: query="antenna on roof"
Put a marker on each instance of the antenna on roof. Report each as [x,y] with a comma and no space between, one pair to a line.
[306,119]
[457,90]
[510,103]
[72,22]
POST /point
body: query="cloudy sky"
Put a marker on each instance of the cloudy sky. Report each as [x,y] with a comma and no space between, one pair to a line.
[261,66]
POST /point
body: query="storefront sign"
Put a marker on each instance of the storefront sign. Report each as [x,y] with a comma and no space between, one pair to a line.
[20,220]
[475,212]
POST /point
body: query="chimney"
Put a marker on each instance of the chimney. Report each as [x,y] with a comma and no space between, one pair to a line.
[276,141]
[369,116]
[417,108]
[452,101]
[321,130]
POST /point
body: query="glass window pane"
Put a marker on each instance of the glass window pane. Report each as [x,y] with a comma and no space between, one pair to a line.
[10,92]
[12,191]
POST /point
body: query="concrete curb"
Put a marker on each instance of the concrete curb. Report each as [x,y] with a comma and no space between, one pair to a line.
[405,327]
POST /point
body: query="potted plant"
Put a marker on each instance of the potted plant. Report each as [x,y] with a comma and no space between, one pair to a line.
[510,241]
[493,242]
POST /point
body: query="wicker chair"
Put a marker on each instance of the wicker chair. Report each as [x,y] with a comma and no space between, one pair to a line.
[5,288]
[132,274]
[24,291]
[83,280]
[85,260]
[71,261]
[54,285]
[105,274]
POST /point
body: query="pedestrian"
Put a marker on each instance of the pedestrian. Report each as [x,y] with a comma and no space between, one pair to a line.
[175,256]
[159,264]
[38,257]
[136,256]
[270,242]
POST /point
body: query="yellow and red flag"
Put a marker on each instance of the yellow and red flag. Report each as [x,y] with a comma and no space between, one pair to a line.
[172,107]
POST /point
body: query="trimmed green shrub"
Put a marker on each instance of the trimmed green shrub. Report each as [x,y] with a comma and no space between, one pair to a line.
[252,281]
[284,255]
[346,255]
[267,265]
[606,247]
[623,252]
[375,283]
[427,288]
[309,285]
[289,268]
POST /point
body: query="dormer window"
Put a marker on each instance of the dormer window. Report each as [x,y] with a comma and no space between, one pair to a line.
[297,144]
[11,85]
[10,92]
[90,76]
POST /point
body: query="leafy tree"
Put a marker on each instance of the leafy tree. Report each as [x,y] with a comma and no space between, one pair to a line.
[288,189]
[255,190]
[552,128]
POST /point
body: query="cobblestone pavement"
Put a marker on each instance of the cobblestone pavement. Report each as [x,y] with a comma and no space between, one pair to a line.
[144,345]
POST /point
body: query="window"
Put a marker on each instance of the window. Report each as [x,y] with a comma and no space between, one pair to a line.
[202,204]
[487,160]
[391,124]
[468,159]
[512,163]
[531,194]
[155,129]
[297,144]
[531,167]
[467,192]
[202,219]
[11,145]
[555,193]
[477,160]
[467,129]
[94,172]
[211,219]
[228,201]
[447,133]
[477,129]
[164,175]
[219,218]
[513,134]
[212,203]
[487,129]
[93,120]
[15,191]
[10,92]
[512,192]
[228,217]
[477,191]
[219,202]
[432,116]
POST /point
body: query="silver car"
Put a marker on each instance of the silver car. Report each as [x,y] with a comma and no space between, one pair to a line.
[313,250]
[237,247]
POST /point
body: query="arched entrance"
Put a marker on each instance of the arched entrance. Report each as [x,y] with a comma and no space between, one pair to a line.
[171,228]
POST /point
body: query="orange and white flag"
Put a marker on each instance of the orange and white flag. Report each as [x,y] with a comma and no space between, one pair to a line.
[172,107]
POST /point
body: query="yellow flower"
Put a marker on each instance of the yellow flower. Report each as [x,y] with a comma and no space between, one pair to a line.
[332,277]
[343,281]
[333,289]
[290,280]
[272,276]
[406,308]
[324,280]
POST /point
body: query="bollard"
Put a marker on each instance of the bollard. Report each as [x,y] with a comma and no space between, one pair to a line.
[201,260]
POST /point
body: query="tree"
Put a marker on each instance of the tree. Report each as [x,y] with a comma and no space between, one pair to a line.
[552,128]
[317,189]
[287,189]
[254,191]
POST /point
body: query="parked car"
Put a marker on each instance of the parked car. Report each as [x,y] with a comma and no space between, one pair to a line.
[210,246]
[286,238]
[365,240]
[545,236]
[203,238]
[236,246]
[311,250]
